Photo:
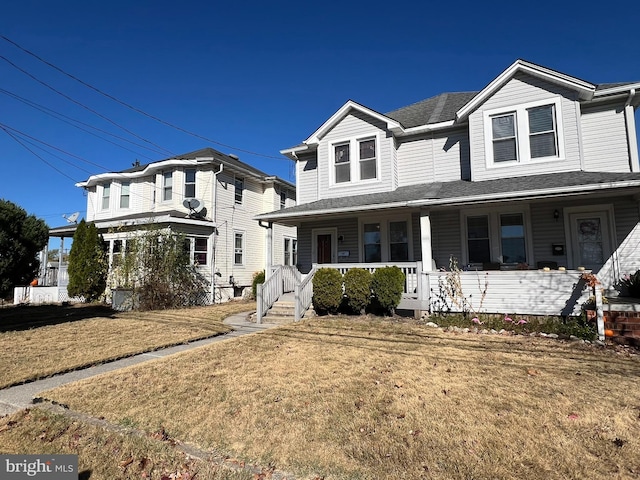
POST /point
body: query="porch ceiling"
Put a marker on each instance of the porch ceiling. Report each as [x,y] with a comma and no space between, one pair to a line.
[462,192]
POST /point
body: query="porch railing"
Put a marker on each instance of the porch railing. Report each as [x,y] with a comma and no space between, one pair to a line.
[304,295]
[282,279]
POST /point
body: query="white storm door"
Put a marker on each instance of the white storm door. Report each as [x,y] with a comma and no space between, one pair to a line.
[591,239]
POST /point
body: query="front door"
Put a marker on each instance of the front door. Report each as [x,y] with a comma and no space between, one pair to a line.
[323,251]
[591,239]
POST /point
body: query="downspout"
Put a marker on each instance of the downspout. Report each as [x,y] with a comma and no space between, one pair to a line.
[631,132]
[214,203]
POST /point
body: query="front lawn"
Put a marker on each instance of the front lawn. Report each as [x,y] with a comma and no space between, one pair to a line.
[344,398]
[37,342]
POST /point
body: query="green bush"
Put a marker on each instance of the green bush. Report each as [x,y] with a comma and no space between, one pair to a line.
[387,285]
[327,290]
[357,289]
[258,278]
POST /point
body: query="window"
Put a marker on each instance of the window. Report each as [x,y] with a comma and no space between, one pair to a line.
[398,242]
[238,251]
[372,245]
[167,186]
[542,132]
[367,159]
[190,183]
[478,243]
[527,133]
[342,163]
[501,237]
[283,199]
[124,194]
[239,190]
[200,248]
[290,251]
[106,193]
[512,238]
[505,144]
[364,168]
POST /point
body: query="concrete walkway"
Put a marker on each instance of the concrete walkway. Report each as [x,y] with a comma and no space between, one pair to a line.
[21,396]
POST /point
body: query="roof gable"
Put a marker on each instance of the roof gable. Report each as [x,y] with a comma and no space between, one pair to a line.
[585,89]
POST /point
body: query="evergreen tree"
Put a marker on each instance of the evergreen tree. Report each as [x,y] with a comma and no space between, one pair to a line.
[22,236]
[87,263]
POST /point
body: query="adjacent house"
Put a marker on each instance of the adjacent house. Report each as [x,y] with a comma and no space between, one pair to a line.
[538,169]
[208,196]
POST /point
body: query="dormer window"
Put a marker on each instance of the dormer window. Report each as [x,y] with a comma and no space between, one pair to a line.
[526,133]
[365,165]
[167,186]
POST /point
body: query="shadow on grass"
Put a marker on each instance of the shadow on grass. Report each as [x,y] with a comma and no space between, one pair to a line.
[25,317]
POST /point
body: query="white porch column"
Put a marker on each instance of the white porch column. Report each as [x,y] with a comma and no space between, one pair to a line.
[425,240]
[269,253]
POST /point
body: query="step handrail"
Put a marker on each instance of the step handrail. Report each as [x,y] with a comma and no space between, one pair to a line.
[304,294]
[268,292]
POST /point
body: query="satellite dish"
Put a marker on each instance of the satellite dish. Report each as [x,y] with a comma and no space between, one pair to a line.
[73,218]
[195,205]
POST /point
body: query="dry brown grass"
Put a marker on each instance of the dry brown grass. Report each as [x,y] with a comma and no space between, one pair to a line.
[103,454]
[373,399]
[58,346]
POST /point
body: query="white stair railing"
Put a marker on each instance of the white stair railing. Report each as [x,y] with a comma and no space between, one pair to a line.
[304,294]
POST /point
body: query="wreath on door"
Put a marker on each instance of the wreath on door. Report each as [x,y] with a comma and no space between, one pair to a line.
[589,227]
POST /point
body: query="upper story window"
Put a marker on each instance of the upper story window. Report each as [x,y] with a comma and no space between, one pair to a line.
[125,193]
[365,165]
[342,163]
[523,134]
[283,199]
[190,183]
[238,249]
[106,194]
[239,190]
[167,186]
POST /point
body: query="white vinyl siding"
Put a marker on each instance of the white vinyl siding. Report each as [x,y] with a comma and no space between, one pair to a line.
[307,178]
[353,128]
[604,140]
[525,91]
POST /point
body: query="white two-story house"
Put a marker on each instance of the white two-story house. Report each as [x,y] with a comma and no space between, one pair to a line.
[208,196]
[538,169]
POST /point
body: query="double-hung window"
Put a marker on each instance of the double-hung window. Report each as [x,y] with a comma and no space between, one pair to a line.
[167,186]
[125,188]
[283,199]
[497,237]
[367,159]
[363,152]
[478,243]
[238,248]
[526,133]
[106,193]
[290,251]
[512,238]
[190,183]
[342,163]
[200,248]
[385,241]
[239,190]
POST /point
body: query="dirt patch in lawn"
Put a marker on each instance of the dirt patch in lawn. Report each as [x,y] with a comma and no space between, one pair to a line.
[346,398]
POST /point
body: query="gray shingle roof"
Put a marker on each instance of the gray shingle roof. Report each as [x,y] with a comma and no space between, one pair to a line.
[440,108]
[440,192]
[604,86]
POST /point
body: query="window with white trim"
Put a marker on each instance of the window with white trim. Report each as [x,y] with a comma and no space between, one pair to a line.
[500,237]
[167,186]
[385,241]
[290,251]
[363,168]
[526,133]
[125,188]
[190,183]
[200,249]
[106,194]
[239,190]
[238,248]
[283,199]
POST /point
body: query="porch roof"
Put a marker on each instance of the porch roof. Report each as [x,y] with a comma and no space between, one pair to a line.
[463,192]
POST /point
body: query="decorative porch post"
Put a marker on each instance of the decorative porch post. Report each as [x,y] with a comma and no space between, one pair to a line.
[425,240]
[269,260]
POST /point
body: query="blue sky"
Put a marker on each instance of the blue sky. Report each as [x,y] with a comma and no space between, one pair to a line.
[258,76]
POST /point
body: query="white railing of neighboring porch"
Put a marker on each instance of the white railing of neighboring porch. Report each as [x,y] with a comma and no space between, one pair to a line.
[282,279]
[304,294]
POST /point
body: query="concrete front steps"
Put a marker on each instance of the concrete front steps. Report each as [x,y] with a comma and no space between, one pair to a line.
[283,311]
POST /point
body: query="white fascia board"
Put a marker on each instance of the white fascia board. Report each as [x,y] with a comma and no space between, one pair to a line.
[315,137]
[135,222]
[585,89]
[427,128]
[152,167]
[327,211]
[617,90]
[293,152]
[540,193]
